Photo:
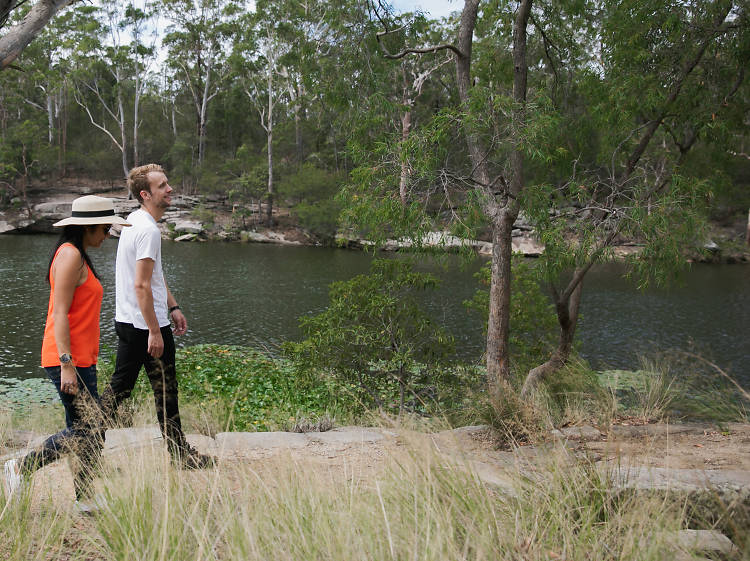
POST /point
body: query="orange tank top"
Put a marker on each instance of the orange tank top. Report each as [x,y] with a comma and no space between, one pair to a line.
[83,318]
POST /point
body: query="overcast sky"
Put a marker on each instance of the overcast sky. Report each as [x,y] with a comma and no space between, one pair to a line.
[435,8]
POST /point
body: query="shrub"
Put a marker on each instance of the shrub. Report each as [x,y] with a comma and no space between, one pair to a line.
[249,390]
[375,335]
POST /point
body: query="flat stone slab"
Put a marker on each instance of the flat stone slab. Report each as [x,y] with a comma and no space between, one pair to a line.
[346,435]
[119,439]
[188,226]
[584,432]
[648,478]
[634,431]
[244,441]
[204,444]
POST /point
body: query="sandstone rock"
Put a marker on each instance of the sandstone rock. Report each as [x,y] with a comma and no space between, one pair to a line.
[584,433]
[255,237]
[136,437]
[650,478]
[704,541]
[186,238]
[346,435]
[53,209]
[23,439]
[188,226]
[634,431]
[711,246]
[204,444]
[239,442]
[527,246]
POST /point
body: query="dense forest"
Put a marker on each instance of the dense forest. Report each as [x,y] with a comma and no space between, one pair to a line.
[600,120]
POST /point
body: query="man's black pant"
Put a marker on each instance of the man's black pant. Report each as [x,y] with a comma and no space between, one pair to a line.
[132,353]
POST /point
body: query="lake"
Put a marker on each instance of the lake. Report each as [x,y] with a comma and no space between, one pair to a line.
[253,294]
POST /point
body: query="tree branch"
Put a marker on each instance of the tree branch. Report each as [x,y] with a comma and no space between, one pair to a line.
[21,34]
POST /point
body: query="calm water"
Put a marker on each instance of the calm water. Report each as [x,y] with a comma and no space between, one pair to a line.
[253,294]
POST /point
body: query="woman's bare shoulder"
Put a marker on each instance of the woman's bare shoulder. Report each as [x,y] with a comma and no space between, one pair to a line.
[68,252]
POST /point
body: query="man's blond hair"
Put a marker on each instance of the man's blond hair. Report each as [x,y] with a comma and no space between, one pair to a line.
[138,179]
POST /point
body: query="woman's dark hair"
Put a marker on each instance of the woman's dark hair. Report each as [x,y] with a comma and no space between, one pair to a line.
[72,234]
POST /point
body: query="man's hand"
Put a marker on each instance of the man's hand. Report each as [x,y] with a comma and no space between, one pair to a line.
[180,323]
[68,379]
[155,344]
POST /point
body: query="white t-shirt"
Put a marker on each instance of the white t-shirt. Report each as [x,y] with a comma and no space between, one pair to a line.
[142,240]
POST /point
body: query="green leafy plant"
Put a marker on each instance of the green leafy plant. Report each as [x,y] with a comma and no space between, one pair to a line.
[375,335]
[249,390]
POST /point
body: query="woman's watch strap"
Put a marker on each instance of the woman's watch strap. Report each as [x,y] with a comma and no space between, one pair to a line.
[173,308]
[65,358]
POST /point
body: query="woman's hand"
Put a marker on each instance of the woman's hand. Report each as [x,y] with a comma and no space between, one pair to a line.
[68,379]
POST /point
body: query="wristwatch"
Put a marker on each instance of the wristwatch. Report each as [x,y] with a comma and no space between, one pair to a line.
[65,358]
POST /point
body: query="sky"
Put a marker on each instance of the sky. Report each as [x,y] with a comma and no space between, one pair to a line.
[435,8]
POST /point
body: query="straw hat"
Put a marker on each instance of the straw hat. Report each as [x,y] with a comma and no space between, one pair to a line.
[90,210]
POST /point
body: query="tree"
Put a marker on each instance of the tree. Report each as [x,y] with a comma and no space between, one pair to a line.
[196,42]
[374,332]
[492,190]
[22,33]
[659,116]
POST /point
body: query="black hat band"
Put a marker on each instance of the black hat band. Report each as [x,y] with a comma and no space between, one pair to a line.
[92,213]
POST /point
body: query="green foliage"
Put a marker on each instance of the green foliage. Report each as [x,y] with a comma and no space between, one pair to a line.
[23,394]
[251,391]
[374,334]
[311,193]
[533,323]
[205,216]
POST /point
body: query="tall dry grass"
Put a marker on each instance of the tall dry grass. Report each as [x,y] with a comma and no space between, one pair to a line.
[418,503]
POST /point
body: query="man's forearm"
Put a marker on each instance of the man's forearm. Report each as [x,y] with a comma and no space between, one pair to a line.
[171,301]
[146,304]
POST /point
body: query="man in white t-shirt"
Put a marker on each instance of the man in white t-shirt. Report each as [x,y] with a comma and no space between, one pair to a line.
[144,306]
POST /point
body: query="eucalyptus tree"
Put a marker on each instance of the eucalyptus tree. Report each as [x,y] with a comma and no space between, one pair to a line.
[22,32]
[667,76]
[490,188]
[408,76]
[113,61]
[273,59]
[197,43]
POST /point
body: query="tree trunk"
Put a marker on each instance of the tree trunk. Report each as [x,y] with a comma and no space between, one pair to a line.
[498,325]
[136,107]
[502,213]
[404,181]
[269,196]
[50,120]
[567,317]
[203,116]
[21,34]
[747,234]
[269,134]
[298,114]
[123,135]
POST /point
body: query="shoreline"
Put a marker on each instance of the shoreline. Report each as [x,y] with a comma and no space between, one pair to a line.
[205,218]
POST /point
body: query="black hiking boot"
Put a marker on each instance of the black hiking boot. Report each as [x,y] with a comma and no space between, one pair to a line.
[190,458]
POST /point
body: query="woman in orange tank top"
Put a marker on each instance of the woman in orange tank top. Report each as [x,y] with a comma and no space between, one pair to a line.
[71,345]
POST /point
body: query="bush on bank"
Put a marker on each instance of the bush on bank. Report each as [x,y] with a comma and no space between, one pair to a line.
[240,388]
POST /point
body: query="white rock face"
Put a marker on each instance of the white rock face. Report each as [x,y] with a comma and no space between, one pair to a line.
[188,227]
